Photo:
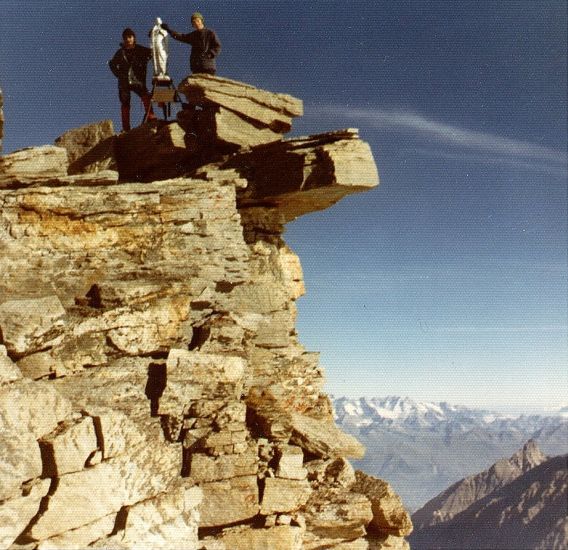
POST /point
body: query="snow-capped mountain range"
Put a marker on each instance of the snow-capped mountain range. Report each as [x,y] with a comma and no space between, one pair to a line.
[422,448]
[406,414]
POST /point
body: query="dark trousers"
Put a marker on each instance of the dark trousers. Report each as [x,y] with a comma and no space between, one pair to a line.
[124,96]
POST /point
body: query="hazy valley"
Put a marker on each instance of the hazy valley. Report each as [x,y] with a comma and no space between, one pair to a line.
[423,448]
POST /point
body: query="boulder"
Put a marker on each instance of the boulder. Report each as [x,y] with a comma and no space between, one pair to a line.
[153,151]
[304,175]
[20,461]
[80,498]
[230,501]
[337,514]
[290,462]
[81,537]
[221,128]
[89,148]
[284,495]
[69,447]
[167,521]
[39,365]
[9,371]
[33,408]
[336,471]
[205,469]
[271,110]
[389,515]
[195,375]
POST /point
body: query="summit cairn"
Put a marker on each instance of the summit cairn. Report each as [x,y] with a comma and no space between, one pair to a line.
[153,388]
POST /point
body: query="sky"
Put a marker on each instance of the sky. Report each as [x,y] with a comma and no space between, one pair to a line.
[448,282]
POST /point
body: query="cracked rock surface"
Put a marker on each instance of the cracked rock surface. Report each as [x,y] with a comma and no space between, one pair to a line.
[153,388]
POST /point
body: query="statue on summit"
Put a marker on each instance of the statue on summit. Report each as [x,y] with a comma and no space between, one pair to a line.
[205,45]
[159,37]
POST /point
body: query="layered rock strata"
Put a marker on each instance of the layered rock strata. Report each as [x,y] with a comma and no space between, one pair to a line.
[153,390]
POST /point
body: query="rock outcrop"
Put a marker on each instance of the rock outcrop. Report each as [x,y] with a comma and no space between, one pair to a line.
[153,390]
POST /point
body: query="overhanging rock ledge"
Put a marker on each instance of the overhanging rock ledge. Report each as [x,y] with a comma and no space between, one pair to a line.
[153,390]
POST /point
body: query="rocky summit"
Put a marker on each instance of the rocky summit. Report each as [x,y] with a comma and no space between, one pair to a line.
[153,391]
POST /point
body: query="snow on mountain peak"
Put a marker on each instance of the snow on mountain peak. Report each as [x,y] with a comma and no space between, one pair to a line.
[404,412]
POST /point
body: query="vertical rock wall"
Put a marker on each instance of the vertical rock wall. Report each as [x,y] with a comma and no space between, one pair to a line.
[153,391]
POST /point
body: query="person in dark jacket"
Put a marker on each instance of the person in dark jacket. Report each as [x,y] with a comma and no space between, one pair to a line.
[129,66]
[205,45]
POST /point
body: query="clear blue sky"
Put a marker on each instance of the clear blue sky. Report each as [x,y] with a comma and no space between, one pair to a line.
[448,281]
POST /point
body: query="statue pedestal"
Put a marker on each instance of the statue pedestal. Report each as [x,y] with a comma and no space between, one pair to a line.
[164,93]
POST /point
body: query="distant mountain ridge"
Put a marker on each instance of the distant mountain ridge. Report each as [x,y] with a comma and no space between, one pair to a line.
[422,448]
[464,493]
[403,411]
[519,503]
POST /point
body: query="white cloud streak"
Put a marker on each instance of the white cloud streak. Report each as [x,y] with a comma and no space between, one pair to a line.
[441,132]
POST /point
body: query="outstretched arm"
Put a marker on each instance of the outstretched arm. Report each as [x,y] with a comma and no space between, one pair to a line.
[176,35]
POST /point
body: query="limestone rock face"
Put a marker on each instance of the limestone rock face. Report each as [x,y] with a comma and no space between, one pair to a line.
[9,371]
[31,325]
[153,391]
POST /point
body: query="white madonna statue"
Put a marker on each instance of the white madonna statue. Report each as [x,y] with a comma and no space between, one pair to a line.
[159,39]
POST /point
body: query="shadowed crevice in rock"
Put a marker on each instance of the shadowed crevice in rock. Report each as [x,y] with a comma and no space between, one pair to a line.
[161,300]
[25,537]
[48,460]
[157,382]
[120,521]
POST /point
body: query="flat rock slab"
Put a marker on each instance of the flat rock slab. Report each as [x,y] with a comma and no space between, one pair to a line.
[230,501]
[273,110]
[33,163]
[323,438]
[284,495]
[219,127]
[281,537]
[304,175]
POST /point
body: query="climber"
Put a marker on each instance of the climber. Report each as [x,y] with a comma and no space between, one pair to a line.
[205,45]
[129,66]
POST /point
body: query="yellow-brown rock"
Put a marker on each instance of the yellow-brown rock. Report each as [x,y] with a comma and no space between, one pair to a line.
[389,515]
[153,390]
[90,148]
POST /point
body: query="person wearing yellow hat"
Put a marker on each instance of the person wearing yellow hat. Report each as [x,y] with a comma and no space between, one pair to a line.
[205,45]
